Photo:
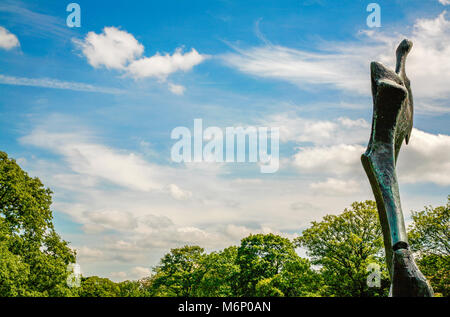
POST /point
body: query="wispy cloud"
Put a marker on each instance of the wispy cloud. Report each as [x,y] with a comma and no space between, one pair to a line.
[103,163]
[98,161]
[38,24]
[301,68]
[56,84]
[345,66]
[299,129]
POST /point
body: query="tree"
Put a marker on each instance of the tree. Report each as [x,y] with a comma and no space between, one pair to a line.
[429,236]
[95,286]
[13,273]
[220,275]
[430,231]
[179,272]
[298,279]
[267,264]
[28,236]
[344,246]
[132,289]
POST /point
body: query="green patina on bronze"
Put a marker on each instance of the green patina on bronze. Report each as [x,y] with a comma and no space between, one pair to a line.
[392,123]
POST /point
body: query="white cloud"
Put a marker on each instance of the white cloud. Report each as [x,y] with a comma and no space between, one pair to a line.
[112,219]
[7,39]
[299,129]
[149,223]
[160,66]
[345,66]
[238,232]
[349,123]
[429,65]
[85,253]
[338,159]
[56,84]
[118,49]
[113,48]
[119,276]
[178,193]
[333,186]
[139,272]
[335,151]
[444,2]
[177,89]
[337,146]
[425,159]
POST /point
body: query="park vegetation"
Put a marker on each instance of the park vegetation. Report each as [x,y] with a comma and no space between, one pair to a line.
[340,248]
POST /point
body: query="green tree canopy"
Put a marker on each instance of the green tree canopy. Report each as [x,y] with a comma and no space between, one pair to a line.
[179,272]
[95,286]
[429,235]
[132,289]
[29,244]
[13,273]
[343,246]
[430,230]
[266,263]
[221,274]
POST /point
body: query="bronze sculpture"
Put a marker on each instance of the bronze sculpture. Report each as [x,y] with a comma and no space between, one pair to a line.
[392,123]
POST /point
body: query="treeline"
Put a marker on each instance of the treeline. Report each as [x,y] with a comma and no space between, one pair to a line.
[343,250]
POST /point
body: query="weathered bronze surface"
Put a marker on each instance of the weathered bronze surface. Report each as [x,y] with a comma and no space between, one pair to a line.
[392,123]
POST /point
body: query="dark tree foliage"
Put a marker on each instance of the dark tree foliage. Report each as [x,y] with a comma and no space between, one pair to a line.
[179,272]
[95,286]
[34,258]
[267,262]
[429,235]
[221,273]
[132,289]
[344,246]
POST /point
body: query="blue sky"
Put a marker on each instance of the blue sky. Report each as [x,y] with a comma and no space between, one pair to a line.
[90,110]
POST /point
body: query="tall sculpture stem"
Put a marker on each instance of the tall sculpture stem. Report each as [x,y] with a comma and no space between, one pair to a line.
[392,123]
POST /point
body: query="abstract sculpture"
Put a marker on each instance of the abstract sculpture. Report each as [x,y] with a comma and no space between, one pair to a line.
[392,123]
